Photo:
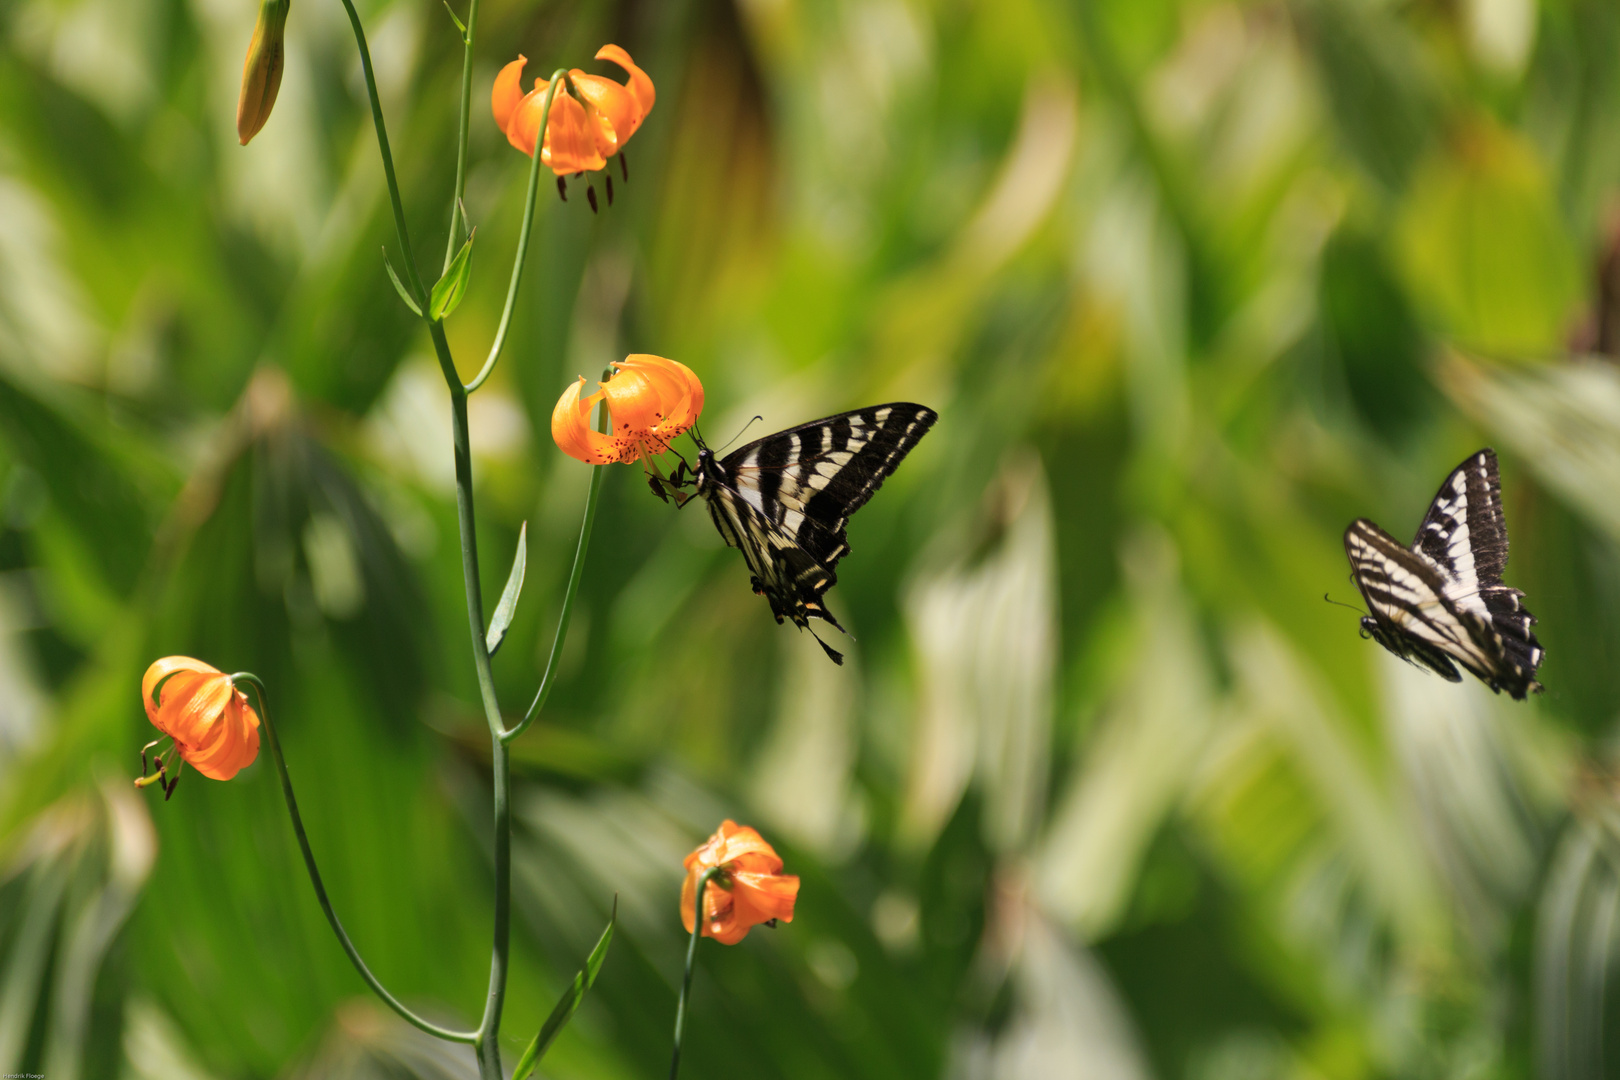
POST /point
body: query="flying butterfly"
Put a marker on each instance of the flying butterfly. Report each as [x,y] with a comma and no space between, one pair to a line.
[784,500]
[1442,599]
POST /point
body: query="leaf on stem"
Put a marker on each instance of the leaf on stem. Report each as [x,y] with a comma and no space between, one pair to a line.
[568,1002]
[459,24]
[399,286]
[504,611]
[452,287]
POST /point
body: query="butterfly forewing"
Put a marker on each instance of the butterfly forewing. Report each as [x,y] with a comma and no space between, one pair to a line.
[1405,592]
[1443,597]
[785,499]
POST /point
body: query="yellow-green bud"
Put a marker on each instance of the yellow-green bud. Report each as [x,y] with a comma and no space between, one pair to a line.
[261,72]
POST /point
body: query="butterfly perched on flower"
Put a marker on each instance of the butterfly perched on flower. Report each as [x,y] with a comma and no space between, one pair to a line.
[784,500]
[1442,599]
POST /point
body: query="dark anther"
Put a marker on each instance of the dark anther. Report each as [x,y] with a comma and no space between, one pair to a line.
[590,196]
[562,189]
[168,789]
[624,166]
[607,178]
[657,488]
[770,923]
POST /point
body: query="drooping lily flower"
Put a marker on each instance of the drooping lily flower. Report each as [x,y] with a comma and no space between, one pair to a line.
[651,400]
[591,117]
[213,727]
[750,888]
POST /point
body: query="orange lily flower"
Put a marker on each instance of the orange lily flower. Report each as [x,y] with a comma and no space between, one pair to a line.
[751,888]
[591,117]
[650,399]
[212,725]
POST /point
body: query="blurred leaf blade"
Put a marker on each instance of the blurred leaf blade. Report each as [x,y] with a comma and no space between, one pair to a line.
[568,1003]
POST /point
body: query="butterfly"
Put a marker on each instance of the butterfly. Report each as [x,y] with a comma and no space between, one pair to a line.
[1442,599]
[784,500]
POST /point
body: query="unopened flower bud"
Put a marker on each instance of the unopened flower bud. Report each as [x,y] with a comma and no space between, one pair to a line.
[261,72]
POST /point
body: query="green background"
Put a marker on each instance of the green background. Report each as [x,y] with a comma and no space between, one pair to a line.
[1105,788]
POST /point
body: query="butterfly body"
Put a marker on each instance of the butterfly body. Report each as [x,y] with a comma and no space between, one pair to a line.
[1441,602]
[785,500]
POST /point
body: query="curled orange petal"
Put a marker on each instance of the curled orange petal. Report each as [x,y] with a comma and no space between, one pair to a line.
[507,92]
[640,86]
[571,428]
[617,113]
[570,144]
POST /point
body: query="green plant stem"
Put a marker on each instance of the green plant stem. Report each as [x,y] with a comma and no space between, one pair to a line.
[523,235]
[315,876]
[548,679]
[412,277]
[486,1038]
[691,957]
[489,1053]
[461,135]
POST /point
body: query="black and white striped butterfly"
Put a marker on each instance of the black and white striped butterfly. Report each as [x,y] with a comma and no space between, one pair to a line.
[1442,599]
[784,500]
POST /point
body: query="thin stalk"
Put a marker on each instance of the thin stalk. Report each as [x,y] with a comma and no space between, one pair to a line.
[489,1053]
[523,236]
[461,135]
[691,956]
[548,679]
[412,277]
[315,876]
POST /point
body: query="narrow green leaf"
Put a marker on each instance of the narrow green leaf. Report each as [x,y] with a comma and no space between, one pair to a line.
[567,1003]
[459,24]
[399,286]
[509,595]
[450,288]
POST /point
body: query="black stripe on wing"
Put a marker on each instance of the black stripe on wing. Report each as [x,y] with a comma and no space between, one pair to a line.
[1411,616]
[785,499]
[1465,531]
[809,480]
[1445,593]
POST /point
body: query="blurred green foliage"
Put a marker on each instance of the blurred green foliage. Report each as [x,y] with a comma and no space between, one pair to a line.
[1105,788]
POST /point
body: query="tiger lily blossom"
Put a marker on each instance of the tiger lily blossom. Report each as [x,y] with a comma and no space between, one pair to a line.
[747,888]
[592,117]
[651,400]
[199,707]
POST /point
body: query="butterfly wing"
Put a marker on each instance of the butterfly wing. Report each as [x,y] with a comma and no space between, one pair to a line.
[1465,533]
[1405,592]
[786,499]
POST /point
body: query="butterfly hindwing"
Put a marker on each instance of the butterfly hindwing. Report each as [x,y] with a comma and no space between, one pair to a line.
[785,500]
[1442,599]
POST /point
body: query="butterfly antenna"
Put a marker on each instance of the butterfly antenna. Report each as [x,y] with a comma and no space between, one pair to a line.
[1342,604]
[739,434]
